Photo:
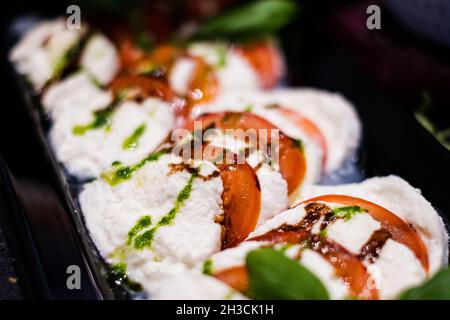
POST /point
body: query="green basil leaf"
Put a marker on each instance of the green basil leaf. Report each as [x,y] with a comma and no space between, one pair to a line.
[272,275]
[437,288]
[255,20]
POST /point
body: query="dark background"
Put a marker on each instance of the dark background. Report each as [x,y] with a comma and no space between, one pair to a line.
[383,72]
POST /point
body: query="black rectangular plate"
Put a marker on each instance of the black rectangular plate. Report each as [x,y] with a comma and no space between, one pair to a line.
[393,143]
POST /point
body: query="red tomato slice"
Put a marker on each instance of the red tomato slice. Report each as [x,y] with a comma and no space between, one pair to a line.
[400,231]
[309,128]
[351,270]
[236,278]
[134,59]
[264,57]
[203,86]
[288,237]
[241,197]
[142,87]
[347,266]
[204,80]
[291,159]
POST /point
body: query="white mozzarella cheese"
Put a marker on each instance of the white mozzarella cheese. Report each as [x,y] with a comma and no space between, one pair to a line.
[88,154]
[235,257]
[100,59]
[274,197]
[111,212]
[193,286]
[75,94]
[354,233]
[233,72]
[396,270]
[181,74]
[39,54]
[397,196]
[333,115]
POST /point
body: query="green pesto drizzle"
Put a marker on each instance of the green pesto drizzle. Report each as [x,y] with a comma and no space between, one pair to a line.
[95,81]
[143,222]
[323,233]
[298,144]
[131,142]
[118,275]
[222,51]
[60,64]
[249,108]
[123,173]
[208,267]
[144,239]
[347,212]
[102,119]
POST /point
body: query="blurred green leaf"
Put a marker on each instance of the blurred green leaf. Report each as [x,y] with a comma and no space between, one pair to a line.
[437,288]
[257,19]
[272,275]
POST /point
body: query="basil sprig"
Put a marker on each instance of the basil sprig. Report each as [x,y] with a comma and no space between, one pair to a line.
[437,288]
[254,20]
[272,275]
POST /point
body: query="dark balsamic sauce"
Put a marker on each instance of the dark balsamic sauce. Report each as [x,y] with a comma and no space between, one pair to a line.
[372,248]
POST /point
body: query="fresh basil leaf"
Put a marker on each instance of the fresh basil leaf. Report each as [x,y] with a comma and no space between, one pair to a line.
[348,212]
[255,20]
[272,275]
[437,288]
[423,117]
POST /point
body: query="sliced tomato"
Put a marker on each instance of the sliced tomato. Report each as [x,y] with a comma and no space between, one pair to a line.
[400,230]
[203,86]
[141,87]
[241,196]
[165,55]
[264,57]
[347,266]
[292,164]
[291,159]
[309,128]
[288,237]
[134,59]
[351,270]
[241,199]
[236,278]
[204,81]
[129,52]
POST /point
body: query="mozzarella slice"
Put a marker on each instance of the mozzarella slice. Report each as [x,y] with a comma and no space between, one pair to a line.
[40,53]
[75,94]
[405,201]
[353,234]
[233,72]
[395,269]
[191,236]
[100,59]
[311,152]
[333,115]
[235,257]
[274,191]
[181,74]
[87,155]
[193,286]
